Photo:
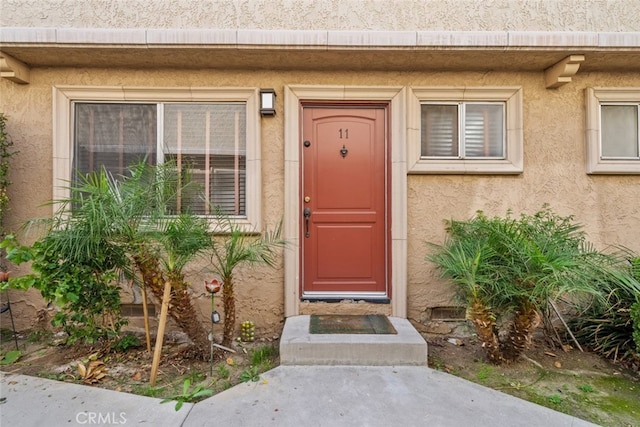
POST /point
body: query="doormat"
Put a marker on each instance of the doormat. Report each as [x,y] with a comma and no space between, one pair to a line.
[350,324]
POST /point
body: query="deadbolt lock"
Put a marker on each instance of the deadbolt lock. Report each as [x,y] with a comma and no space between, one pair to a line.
[307,199]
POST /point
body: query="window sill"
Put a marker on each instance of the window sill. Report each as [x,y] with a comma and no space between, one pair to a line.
[614,167]
[468,167]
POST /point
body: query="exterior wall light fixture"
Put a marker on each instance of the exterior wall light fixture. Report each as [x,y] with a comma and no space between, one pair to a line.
[267,102]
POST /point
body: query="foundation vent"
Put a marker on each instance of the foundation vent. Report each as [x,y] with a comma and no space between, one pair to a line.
[448,313]
[135,310]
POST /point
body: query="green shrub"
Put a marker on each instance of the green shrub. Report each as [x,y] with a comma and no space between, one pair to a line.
[5,153]
[635,307]
[635,316]
[108,226]
[87,292]
[126,342]
[609,327]
[82,284]
[508,269]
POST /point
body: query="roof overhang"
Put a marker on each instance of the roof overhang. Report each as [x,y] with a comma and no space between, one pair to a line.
[319,50]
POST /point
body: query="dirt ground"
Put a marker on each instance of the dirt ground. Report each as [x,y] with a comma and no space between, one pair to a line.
[578,383]
[45,355]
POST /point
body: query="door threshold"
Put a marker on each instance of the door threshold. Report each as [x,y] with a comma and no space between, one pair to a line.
[337,299]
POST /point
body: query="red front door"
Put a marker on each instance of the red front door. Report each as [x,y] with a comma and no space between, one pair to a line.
[344,202]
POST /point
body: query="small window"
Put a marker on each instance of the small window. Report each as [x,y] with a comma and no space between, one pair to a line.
[466,130]
[619,131]
[209,134]
[613,130]
[462,131]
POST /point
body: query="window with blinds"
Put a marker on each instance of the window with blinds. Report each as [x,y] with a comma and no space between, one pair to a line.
[206,141]
[619,131]
[463,131]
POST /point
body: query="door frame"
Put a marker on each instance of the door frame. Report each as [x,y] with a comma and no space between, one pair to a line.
[294,97]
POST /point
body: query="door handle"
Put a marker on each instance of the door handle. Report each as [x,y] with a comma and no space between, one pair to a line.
[307,215]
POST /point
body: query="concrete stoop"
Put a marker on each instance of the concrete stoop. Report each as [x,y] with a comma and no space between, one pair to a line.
[299,347]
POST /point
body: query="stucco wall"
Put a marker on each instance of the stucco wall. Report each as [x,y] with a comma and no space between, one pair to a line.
[388,15]
[554,169]
[554,173]
[30,124]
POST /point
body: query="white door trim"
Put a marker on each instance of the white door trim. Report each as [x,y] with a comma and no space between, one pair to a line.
[293,96]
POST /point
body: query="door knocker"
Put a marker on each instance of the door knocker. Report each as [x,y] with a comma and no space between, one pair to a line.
[343,151]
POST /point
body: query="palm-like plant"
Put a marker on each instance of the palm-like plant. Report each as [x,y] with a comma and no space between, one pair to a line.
[234,247]
[130,215]
[180,239]
[469,264]
[507,271]
[74,264]
[608,328]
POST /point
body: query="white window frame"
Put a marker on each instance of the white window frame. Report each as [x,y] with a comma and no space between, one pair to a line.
[594,98]
[64,96]
[512,163]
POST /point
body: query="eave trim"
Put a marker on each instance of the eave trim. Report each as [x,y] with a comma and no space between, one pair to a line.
[315,39]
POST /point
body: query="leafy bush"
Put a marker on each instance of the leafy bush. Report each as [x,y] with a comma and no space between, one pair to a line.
[5,153]
[116,225]
[508,269]
[76,268]
[82,284]
[126,342]
[612,327]
[635,316]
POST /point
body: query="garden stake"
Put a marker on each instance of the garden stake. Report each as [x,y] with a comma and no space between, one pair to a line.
[145,312]
[7,307]
[211,336]
[555,308]
[161,325]
[212,287]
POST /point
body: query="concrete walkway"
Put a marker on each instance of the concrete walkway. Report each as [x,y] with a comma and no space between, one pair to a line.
[287,396]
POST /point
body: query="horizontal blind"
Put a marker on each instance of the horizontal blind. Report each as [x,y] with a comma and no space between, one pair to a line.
[439,130]
[483,130]
[113,136]
[209,141]
[226,184]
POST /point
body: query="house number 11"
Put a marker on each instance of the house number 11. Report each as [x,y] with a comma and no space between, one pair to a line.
[346,133]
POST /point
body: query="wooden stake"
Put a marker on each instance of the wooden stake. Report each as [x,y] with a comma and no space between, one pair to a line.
[221,347]
[145,312]
[166,297]
[555,308]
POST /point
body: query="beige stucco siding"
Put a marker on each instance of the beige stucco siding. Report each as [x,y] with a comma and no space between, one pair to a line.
[370,15]
[30,123]
[554,173]
[554,168]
